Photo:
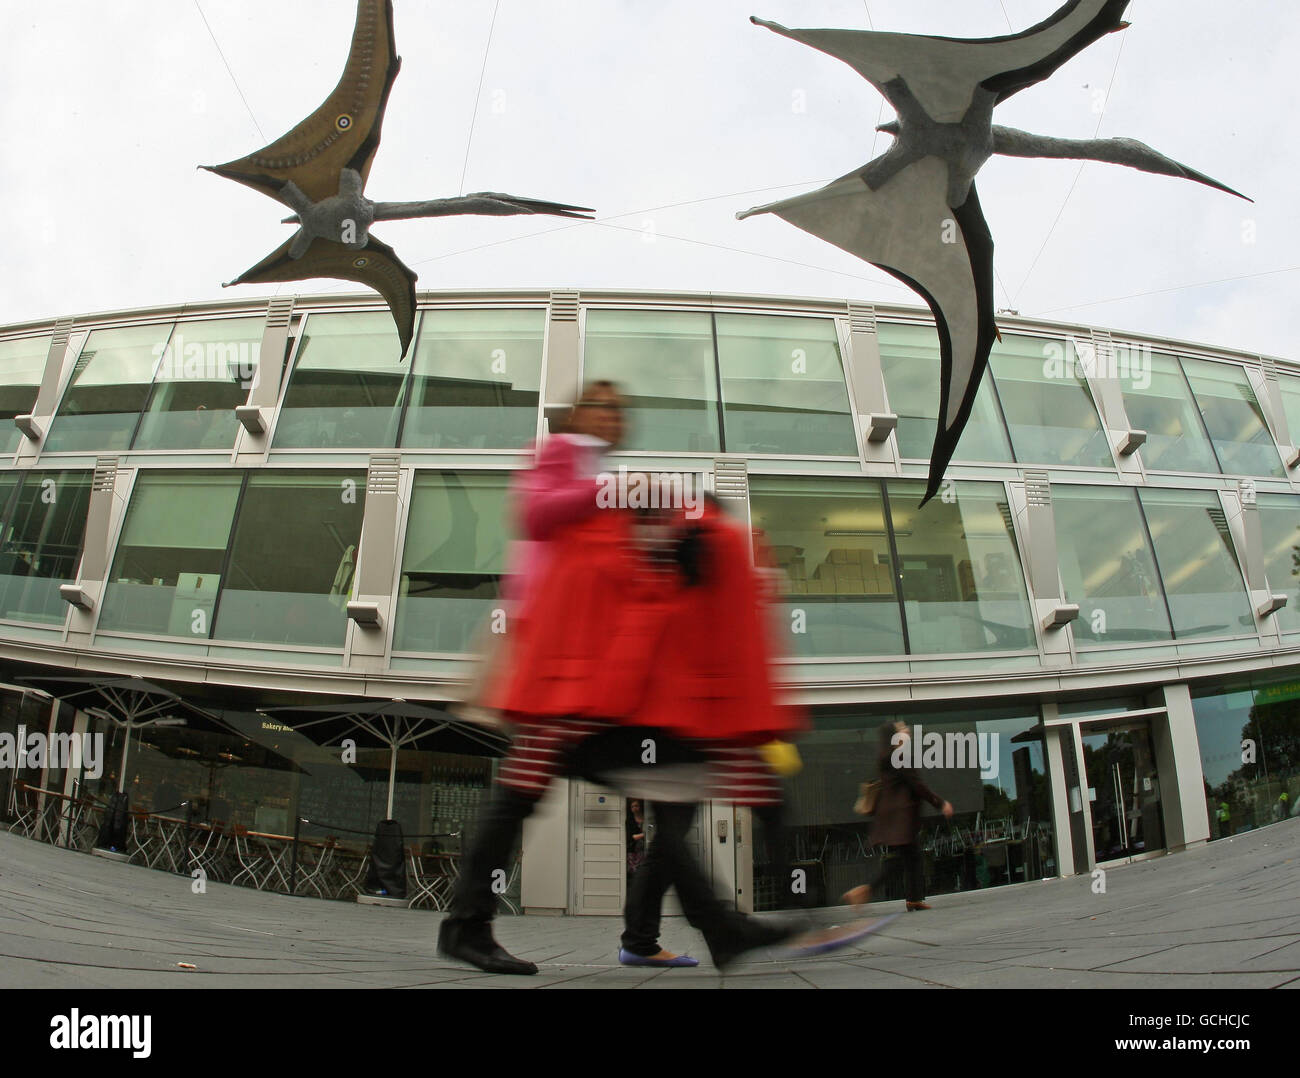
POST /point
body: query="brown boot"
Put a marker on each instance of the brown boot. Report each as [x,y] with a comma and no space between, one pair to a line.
[911,906]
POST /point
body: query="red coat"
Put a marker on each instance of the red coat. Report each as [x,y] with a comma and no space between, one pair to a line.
[710,674]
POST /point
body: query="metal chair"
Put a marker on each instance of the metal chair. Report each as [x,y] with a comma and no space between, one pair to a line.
[432,886]
[251,862]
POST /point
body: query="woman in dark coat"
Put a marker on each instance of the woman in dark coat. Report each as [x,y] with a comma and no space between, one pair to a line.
[897,819]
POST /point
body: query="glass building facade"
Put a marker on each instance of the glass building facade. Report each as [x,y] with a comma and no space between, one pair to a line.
[1090,617]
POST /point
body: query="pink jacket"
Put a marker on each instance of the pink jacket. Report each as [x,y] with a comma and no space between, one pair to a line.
[559,489]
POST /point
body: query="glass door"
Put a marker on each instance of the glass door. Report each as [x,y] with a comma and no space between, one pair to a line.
[1124,790]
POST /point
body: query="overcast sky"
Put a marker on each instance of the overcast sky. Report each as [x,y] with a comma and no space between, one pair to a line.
[667,116]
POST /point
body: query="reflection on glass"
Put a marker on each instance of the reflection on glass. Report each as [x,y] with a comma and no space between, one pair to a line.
[1233,418]
[1107,567]
[346,387]
[1047,403]
[205,373]
[167,569]
[663,362]
[910,358]
[783,386]
[40,545]
[963,589]
[1244,791]
[292,559]
[477,380]
[1290,387]
[109,388]
[828,535]
[22,365]
[452,562]
[1176,440]
[1001,830]
[1198,565]
[1279,519]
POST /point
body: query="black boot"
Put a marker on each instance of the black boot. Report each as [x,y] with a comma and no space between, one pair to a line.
[746,934]
[472,942]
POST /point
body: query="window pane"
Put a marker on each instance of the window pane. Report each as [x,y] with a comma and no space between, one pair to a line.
[1242,795]
[167,569]
[829,537]
[963,589]
[41,544]
[1233,418]
[292,559]
[1107,567]
[109,387]
[1279,518]
[477,379]
[1290,387]
[205,374]
[783,386]
[453,560]
[22,364]
[1047,403]
[910,358]
[346,387]
[1198,565]
[1164,408]
[663,363]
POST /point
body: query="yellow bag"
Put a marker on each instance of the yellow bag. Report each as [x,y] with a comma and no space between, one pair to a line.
[781,757]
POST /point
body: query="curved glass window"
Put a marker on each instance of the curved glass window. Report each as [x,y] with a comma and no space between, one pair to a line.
[22,365]
[1161,404]
[346,388]
[43,531]
[452,562]
[292,559]
[1290,388]
[783,386]
[1233,417]
[167,569]
[1107,566]
[963,588]
[109,388]
[1198,565]
[663,363]
[909,356]
[1047,403]
[206,371]
[829,537]
[1243,794]
[1279,519]
[477,380]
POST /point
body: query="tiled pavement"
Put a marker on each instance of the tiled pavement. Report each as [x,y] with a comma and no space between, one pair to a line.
[1224,915]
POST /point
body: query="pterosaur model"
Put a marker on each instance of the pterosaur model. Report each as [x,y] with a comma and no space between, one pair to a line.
[319,170]
[914,211]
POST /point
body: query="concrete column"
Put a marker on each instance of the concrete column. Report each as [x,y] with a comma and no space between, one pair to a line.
[867,379]
[1178,763]
[370,605]
[563,353]
[547,854]
[256,416]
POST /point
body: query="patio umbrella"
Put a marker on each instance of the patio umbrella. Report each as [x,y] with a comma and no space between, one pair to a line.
[391,724]
[131,703]
[395,724]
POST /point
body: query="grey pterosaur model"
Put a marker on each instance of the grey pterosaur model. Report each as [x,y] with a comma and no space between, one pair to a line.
[914,211]
[320,168]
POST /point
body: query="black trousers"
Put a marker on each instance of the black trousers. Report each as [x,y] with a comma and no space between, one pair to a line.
[668,863]
[500,827]
[913,871]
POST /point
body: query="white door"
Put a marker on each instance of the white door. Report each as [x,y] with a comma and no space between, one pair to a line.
[599,860]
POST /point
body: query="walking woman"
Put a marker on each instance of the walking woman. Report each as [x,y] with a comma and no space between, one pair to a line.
[896,822]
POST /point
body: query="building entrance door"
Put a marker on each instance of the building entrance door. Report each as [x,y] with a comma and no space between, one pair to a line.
[1123,790]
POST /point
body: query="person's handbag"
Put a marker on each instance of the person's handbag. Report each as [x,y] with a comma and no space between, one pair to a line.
[868,795]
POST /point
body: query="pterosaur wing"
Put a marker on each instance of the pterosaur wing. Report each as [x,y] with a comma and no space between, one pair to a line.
[344,131]
[942,73]
[907,229]
[376,266]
